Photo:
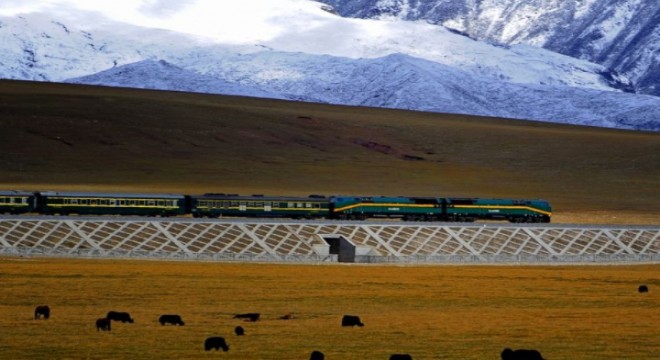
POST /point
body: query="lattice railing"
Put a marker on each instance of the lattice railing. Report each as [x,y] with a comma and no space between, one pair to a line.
[299,241]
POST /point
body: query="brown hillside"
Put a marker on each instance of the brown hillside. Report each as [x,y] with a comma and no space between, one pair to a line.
[55,136]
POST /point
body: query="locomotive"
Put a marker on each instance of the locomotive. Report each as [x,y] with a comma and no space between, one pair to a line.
[214,205]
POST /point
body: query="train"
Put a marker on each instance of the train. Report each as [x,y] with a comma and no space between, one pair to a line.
[217,205]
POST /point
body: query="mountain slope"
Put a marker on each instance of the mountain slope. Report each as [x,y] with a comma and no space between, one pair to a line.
[623,35]
[394,81]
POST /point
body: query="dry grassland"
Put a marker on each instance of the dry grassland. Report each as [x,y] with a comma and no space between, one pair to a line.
[431,312]
[66,137]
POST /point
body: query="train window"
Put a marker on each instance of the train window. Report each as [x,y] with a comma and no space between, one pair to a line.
[462,201]
[308,205]
[151,202]
[425,201]
[74,201]
[93,201]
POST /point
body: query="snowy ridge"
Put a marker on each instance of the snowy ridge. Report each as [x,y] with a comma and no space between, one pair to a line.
[394,81]
[161,75]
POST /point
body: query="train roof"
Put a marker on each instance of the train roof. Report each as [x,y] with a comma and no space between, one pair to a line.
[259,197]
[111,195]
[16,193]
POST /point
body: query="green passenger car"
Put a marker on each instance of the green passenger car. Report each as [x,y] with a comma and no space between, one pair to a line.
[17,202]
[406,208]
[498,209]
[82,203]
[219,205]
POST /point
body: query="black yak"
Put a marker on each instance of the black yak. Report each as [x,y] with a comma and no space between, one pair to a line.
[103,324]
[119,316]
[239,331]
[42,310]
[351,320]
[248,316]
[400,357]
[171,319]
[521,354]
[216,343]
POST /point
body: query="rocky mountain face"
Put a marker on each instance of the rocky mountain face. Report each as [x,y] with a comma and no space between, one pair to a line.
[623,35]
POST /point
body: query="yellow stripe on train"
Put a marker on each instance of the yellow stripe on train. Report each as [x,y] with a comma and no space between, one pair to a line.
[386,205]
[513,207]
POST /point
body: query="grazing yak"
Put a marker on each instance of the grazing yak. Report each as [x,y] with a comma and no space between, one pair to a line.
[316,355]
[288,316]
[521,354]
[103,324]
[400,357]
[217,343]
[42,310]
[643,289]
[351,320]
[119,316]
[170,319]
[248,316]
[239,331]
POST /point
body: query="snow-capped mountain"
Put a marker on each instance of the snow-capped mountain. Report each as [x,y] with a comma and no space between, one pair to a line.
[302,50]
[161,75]
[623,35]
[393,81]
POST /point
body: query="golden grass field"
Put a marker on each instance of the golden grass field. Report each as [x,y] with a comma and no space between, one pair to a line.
[69,137]
[431,312]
